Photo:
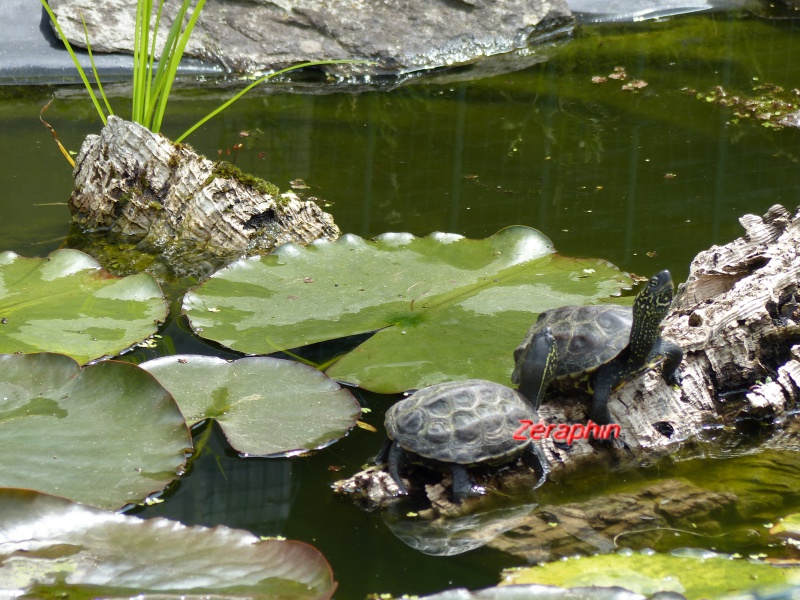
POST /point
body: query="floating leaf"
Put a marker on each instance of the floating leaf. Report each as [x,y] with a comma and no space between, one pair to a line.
[695,574]
[789,527]
[67,303]
[447,307]
[264,405]
[107,434]
[525,592]
[54,548]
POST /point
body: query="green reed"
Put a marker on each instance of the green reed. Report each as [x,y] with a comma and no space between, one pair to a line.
[152,82]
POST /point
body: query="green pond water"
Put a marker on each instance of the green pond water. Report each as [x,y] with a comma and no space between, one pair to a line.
[644,179]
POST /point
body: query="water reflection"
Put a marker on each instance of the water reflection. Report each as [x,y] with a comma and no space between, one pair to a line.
[252,494]
[448,536]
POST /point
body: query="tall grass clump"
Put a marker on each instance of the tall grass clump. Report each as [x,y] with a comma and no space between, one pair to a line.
[152,83]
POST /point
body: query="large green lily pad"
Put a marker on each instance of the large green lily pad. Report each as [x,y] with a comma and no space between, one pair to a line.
[265,406]
[447,307]
[50,547]
[106,435]
[67,303]
[695,574]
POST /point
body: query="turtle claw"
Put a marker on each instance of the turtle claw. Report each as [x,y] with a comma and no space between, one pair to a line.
[463,487]
[674,379]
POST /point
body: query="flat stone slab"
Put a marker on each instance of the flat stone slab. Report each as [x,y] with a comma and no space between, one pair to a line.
[404,37]
[31,54]
[398,36]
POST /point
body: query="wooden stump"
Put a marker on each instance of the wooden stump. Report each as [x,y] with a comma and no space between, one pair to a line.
[163,196]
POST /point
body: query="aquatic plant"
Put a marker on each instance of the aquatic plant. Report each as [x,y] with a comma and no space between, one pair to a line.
[152,83]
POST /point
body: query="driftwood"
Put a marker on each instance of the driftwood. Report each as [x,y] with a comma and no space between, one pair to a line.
[738,321]
[163,196]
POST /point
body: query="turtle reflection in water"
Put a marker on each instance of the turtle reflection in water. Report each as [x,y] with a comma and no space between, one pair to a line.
[599,348]
[461,423]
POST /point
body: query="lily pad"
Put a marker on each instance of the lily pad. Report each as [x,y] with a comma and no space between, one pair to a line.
[106,435]
[447,307]
[789,527]
[54,548]
[67,303]
[526,592]
[695,574]
[265,406]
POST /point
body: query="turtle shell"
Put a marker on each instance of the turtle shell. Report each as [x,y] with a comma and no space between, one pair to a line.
[463,422]
[586,337]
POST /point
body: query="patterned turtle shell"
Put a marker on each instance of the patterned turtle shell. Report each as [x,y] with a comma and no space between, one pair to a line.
[590,337]
[586,338]
[462,422]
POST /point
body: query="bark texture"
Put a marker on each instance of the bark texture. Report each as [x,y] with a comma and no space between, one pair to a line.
[738,321]
[132,182]
[738,324]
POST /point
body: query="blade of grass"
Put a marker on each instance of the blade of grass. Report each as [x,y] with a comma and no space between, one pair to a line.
[172,67]
[260,80]
[94,67]
[144,14]
[168,50]
[135,110]
[55,135]
[75,60]
[163,64]
[151,57]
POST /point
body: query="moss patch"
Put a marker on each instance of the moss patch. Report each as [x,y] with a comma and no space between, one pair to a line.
[226,170]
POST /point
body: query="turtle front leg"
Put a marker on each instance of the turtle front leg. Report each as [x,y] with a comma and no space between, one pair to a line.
[383,455]
[673,356]
[462,484]
[605,379]
[396,457]
[535,458]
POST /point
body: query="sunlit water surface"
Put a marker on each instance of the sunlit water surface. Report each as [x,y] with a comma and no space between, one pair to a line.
[644,179]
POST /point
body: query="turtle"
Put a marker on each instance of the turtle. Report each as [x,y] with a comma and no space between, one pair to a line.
[460,423]
[600,347]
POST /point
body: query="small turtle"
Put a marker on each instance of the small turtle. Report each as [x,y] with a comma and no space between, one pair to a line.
[601,347]
[462,423]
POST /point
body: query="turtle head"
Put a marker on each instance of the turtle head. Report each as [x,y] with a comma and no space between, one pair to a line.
[656,297]
[649,309]
[538,366]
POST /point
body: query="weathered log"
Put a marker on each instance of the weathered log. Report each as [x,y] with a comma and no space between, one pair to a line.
[163,196]
[738,322]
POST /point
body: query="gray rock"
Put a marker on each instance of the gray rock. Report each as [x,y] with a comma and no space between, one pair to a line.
[400,36]
[30,53]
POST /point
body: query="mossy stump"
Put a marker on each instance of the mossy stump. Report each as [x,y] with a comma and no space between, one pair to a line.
[167,199]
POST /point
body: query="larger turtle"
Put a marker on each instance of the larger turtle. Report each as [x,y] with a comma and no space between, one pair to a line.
[601,347]
[462,423]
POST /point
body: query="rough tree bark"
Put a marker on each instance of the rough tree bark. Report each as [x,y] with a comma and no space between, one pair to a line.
[738,322]
[132,182]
